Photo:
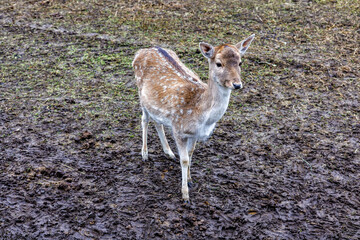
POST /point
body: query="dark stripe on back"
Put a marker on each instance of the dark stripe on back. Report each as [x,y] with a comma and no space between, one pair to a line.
[172,61]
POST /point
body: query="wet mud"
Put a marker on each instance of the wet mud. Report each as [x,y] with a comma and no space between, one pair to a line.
[283,163]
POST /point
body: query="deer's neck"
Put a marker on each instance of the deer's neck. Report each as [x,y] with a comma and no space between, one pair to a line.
[216,100]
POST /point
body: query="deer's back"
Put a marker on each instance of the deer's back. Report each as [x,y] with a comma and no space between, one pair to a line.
[162,66]
[168,90]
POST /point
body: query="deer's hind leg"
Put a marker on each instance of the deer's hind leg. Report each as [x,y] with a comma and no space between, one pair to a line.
[191,147]
[144,125]
[160,130]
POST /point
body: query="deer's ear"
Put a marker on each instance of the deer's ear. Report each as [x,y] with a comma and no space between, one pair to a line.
[207,50]
[245,44]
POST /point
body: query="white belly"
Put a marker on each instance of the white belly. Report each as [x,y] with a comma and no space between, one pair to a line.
[205,131]
[160,119]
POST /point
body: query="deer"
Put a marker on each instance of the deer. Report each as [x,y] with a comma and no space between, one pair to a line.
[172,95]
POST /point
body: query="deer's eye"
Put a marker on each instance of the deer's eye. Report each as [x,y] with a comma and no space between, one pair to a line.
[218,64]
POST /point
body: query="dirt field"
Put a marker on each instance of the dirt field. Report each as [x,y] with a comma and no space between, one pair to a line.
[283,163]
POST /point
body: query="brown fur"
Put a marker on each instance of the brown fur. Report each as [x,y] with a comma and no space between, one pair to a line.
[168,89]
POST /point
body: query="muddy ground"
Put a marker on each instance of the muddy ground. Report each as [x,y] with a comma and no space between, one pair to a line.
[283,163]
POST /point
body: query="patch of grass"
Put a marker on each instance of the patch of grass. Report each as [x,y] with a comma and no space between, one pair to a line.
[300,47]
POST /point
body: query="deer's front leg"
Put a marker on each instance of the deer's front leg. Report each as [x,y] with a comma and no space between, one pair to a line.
[184,161]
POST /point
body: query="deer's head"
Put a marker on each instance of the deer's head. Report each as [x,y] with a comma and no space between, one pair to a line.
[225,62]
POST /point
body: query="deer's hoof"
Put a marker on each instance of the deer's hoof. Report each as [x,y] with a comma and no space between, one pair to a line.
[145,156]
[171,155]
[187,202]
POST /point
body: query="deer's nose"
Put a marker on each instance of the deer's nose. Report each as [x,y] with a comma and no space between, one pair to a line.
[237,85]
